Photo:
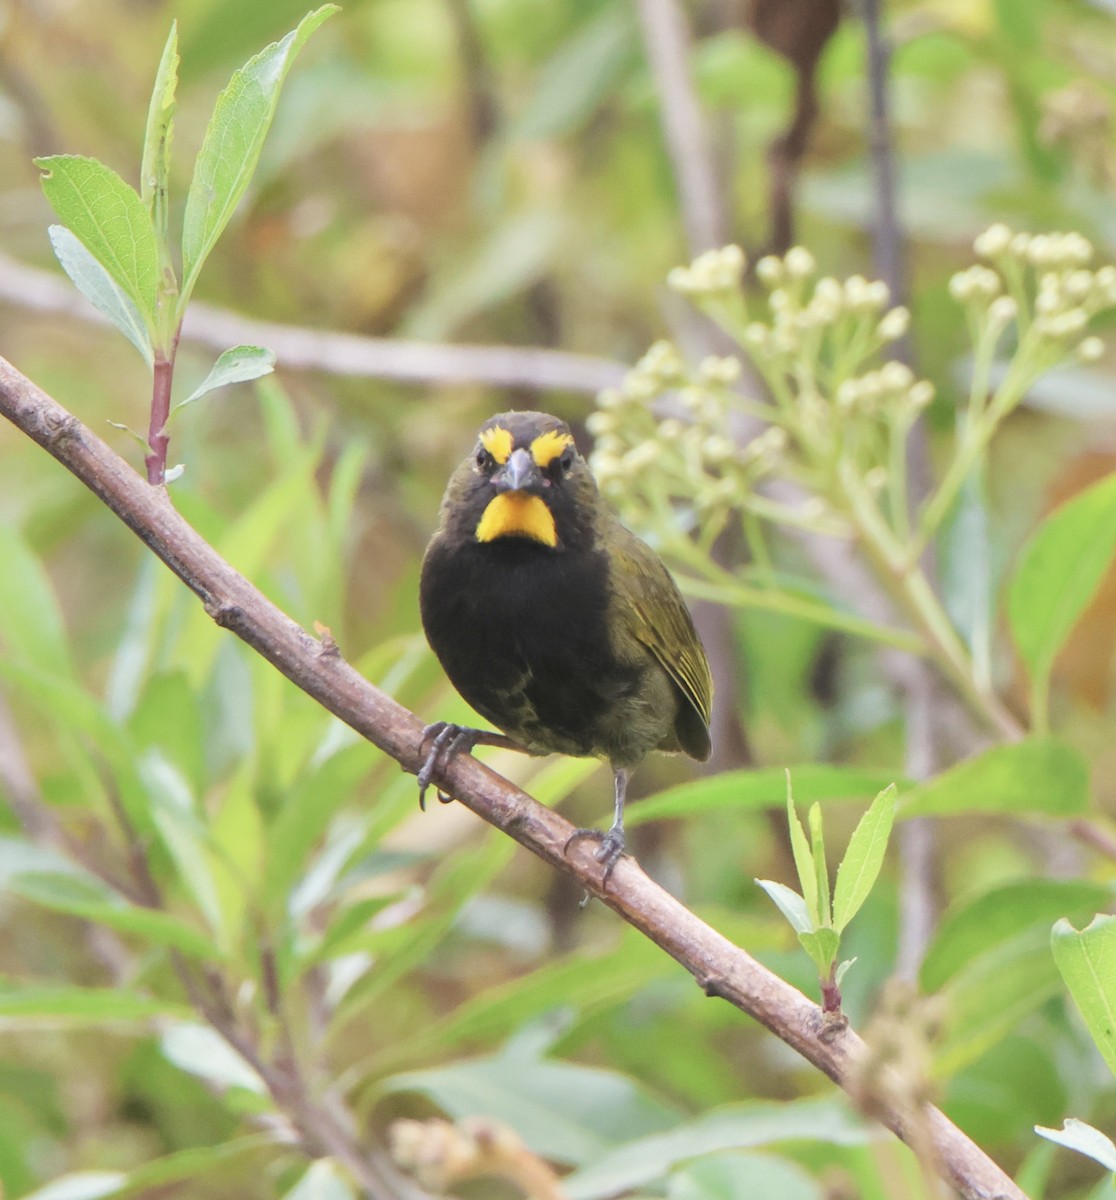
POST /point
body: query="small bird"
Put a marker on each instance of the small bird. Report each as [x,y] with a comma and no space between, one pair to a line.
[554,621]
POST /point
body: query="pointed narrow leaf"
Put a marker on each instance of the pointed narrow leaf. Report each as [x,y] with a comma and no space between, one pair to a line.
[842,971]
[232,144]
[182,1166]
[803,859]
[637,1164]
[1087,962]
[21,1003]
[238,365]
[34,630]
[790,904]
[989,999]
[202,1051]
[863,859]
[1058,574]
[749,791]
[109,220]
[92,901]
[101,290]
[323,1180]
[1076,1135]
[155,171]
[82,1185]
[183,835]
[1039,775]
[974,927]
[821,867]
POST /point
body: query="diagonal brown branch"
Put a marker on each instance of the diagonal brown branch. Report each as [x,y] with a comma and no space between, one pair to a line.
[719,967]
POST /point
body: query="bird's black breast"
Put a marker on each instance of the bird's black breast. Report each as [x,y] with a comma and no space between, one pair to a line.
[522,632]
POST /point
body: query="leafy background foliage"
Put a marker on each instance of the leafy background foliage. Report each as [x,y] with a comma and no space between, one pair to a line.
[418,961]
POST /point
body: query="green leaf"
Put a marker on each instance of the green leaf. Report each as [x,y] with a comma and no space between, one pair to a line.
[821,867]
[863,859]
[232,144]
[1038,775]
[238,365]
[822,946]
[968,930]
[71,711]
[21,1003]
[564,1111]
[89,899]
[183,835]
[498,1011]
[202,1051]
[1076,1135]
[322,1180]
[33,631]
[82,1185]
[988,999]
[155,170]
[803,860]
[1059,572]
[752,791]
[185,1165]
[102,291]
[1087,962]
[110,221]
[743,1176]
[579,76]
[790,904]
[639,1164]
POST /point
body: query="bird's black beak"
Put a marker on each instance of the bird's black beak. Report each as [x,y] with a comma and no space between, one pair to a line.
[520,474]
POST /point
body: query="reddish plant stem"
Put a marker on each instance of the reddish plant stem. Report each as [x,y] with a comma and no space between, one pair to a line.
[157,438]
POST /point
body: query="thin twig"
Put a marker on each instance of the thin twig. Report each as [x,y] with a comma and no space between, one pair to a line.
[719,967]
[917,840]
[667,41]
[298,348]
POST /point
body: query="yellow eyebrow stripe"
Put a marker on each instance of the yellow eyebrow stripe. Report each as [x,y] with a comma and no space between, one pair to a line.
[547,446]
[498,442]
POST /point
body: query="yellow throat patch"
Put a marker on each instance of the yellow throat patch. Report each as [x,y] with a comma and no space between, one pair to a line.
[515,514]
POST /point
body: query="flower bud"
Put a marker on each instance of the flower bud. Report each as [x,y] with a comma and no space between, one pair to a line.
[994,241]
[893,325]
[800,263]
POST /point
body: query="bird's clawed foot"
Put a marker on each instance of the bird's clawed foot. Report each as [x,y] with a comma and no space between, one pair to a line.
[608,852]
[449,739]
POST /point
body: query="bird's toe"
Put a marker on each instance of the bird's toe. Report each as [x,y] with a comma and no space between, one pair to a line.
[608,852]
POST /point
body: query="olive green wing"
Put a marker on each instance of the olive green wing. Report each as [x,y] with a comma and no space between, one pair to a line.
[650,609]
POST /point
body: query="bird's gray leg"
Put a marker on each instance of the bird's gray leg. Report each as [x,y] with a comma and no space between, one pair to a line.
[450,739]
[612,842]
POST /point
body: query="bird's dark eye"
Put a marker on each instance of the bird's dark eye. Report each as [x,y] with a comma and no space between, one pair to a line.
[567,460]
[482,458]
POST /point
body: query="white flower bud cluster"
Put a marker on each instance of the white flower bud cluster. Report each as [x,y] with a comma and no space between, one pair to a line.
[892,389]
[799,315]
[1069,297]
[642,463]
[1054,269]
[711,273]
[977,286]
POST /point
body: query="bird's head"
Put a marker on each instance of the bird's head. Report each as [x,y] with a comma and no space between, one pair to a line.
[524,480]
